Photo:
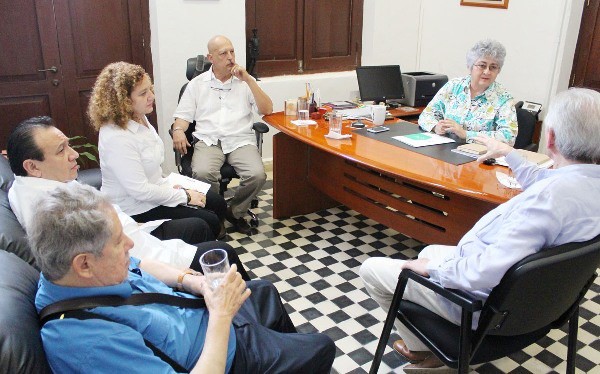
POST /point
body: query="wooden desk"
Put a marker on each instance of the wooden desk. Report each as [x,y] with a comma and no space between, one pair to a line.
[424,198]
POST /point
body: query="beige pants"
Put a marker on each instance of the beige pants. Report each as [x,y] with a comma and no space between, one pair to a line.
[380,276]
[206,166]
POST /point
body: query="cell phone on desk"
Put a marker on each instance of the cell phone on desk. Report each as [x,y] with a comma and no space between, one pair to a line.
[378,129]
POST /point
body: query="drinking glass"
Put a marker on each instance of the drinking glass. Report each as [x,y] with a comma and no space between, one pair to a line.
[215,265]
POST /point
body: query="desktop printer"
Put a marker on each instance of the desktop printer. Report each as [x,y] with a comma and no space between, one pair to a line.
[421,86]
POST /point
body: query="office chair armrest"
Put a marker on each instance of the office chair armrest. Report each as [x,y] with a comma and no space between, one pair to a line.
[458,297]
[260,127]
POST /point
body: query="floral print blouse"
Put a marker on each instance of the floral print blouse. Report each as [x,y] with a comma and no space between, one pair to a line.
[491,113]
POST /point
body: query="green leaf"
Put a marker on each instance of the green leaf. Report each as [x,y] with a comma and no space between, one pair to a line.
[89,156]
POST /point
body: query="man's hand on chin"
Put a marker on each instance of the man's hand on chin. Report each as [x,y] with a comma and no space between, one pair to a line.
[419,266]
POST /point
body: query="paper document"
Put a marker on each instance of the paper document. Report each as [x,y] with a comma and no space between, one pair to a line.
[356,113]
[544,165]
[303,122]
[507,180]
[188,183]
[472,155]
[422,139]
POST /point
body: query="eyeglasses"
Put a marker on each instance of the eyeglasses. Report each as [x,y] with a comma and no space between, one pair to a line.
[483,67]
[221,90]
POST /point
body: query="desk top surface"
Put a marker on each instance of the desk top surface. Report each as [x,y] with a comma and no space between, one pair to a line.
[471,179]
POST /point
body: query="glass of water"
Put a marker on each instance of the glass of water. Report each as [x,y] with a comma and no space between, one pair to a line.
[215,265]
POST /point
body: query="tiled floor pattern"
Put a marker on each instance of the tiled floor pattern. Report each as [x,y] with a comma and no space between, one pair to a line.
[313,260]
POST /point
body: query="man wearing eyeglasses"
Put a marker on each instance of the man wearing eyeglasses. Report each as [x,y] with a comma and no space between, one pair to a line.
[222,101]
[475,104]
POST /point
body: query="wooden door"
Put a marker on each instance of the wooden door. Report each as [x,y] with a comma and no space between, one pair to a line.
[29,45]
[78,38]
[586,69]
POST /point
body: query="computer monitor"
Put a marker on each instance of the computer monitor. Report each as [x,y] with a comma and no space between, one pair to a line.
[380,83]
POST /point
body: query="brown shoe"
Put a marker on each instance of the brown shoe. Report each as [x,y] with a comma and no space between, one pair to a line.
[412,357]
[239,224]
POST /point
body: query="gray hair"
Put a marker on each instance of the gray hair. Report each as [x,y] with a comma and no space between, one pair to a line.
[68,221]
[486,48]
[574,115]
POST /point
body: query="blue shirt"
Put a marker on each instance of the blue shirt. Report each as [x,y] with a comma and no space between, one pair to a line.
[73,345]
[491,113]
[557,206]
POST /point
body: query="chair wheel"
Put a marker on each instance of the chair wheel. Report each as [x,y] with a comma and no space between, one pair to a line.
[254,204]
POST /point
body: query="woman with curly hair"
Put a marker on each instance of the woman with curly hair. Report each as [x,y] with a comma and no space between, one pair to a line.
[131,154]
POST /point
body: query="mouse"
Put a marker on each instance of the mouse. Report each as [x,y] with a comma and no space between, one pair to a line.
[357,125]
[489,161]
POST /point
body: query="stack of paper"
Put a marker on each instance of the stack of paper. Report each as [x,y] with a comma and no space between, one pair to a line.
[188,183]
[356,113]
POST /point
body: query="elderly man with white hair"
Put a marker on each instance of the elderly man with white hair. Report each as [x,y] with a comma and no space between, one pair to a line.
[557,206]
[83,252]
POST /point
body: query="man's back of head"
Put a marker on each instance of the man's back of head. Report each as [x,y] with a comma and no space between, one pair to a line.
[574,117]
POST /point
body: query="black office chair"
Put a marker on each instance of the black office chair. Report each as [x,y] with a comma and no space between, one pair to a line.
[539,293]
[526,121]
[196,66]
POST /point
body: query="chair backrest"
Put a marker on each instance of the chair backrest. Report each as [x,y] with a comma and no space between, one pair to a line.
[195,66]
[526,122]
[542,289]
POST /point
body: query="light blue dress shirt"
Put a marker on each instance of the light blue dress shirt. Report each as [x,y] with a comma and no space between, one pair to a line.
[557,206]
[98,346]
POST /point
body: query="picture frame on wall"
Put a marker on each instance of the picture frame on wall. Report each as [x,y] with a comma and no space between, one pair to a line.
[502,4]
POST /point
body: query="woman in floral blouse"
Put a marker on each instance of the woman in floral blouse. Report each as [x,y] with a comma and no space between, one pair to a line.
[475,104]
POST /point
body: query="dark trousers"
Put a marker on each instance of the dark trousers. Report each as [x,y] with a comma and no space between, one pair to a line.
[212,214]
[231,256]
[190,230]
[267,341]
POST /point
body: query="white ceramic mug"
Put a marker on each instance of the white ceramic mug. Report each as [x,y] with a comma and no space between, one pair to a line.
[378,114]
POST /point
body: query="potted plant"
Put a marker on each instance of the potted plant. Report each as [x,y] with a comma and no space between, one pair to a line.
[88,152]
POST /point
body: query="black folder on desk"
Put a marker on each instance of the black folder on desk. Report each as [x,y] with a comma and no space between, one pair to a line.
[440,152]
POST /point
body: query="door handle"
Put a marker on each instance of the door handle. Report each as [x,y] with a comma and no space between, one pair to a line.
[53,69]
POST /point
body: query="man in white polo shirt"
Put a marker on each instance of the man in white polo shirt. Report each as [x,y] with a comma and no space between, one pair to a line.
[222,101]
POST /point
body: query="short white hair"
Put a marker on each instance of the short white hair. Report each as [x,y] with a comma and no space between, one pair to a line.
[574,115]
[70,220]
[486,48]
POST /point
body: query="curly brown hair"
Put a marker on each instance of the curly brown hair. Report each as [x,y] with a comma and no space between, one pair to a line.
[110,102]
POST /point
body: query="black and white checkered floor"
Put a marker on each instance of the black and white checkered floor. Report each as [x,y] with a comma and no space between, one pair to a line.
[313,260]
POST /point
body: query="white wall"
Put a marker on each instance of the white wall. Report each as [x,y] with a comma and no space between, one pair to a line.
[431,35]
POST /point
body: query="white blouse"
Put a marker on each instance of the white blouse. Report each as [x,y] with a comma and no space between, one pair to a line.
[130,160]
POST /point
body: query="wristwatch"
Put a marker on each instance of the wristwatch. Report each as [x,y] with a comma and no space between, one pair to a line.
[180,278]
